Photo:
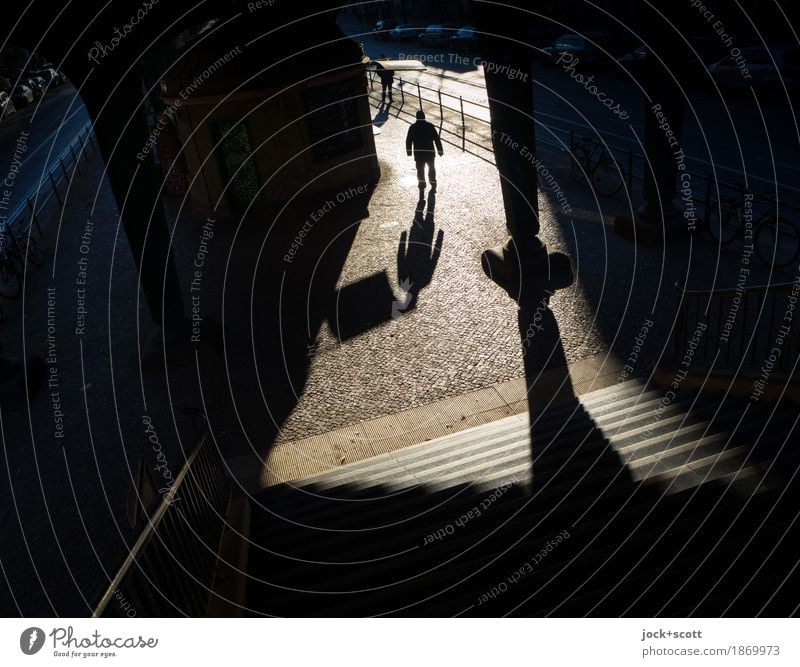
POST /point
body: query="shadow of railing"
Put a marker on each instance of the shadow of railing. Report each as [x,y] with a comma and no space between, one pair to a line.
[170,569]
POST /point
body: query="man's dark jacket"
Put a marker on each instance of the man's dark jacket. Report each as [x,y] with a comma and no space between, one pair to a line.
[422,135]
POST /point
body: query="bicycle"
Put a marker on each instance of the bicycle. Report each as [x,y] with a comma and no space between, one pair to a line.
[591,158]
[776,239]
[14,254]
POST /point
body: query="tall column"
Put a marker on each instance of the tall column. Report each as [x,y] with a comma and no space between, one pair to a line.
[504,30]
[658,217]
[135,185]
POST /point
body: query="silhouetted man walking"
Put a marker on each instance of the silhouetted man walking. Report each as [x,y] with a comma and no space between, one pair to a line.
[387,79]
[422,135]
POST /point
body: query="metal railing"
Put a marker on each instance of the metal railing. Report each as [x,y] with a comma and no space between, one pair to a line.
[632,164]
[21,231]
[746,332]
[37,197]
[170,569]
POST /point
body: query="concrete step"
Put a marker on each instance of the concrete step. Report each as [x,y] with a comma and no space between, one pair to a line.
[622,469]
[486,466]
[470,553]
[395,470]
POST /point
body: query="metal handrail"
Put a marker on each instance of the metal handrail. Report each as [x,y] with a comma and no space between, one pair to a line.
[54,177]
[731,290]
[169,569]
[743,330]
[632,170]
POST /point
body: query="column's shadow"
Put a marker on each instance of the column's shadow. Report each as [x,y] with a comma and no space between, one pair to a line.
[568,450]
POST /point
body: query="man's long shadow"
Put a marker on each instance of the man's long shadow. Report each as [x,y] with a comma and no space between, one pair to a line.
[382,116]
[417,252]
[371,301]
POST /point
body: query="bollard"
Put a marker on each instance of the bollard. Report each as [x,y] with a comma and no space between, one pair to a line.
[463,126]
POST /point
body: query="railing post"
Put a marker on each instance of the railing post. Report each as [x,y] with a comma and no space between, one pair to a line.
[55,188]
[74,160]
[463,126]
[419,95]
[441,110]
[402,94]
[34,216]
[83,145]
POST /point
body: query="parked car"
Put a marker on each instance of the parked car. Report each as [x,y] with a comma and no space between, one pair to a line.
[405,32]
[37,85]
[50,76]
[767,70]
[692,71]
[464,40]
[578,46]
[22,96]
[7,107]
[383,29]
[634,61]
[37,78]
[438,34]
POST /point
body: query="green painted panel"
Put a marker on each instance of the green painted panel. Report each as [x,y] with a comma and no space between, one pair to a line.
[236,153]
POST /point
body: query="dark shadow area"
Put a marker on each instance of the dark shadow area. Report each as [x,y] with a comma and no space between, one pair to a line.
[584,537]
[418,253]
[360,306]
[276,304]
[628,501]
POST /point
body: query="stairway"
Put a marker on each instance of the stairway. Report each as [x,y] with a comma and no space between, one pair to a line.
[623,502]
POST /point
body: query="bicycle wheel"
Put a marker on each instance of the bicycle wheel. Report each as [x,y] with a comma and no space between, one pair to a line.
[722,223]
[777,242]
[580,163]
[9,280]
[607,177]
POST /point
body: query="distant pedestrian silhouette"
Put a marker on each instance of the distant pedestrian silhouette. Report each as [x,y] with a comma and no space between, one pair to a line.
[421,136]
[387,78]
